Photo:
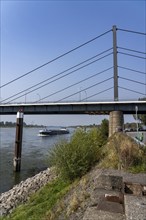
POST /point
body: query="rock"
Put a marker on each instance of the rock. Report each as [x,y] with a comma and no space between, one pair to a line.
[20,193]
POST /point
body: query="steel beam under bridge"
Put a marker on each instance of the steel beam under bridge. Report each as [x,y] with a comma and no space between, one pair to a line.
[127,107]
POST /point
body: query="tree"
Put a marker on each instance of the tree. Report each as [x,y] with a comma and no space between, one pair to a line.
[105,128]
[141,117]
[102,133]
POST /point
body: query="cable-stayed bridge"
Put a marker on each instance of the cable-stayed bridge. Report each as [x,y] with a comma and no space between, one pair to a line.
[116,72]
[110,66]
[104,68]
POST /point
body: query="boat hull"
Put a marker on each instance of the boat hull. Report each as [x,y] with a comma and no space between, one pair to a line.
[46,132]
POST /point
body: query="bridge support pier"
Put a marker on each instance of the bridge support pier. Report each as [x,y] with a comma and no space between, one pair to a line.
[18,142]
[116,122]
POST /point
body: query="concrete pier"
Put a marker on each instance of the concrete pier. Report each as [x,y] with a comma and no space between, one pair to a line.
[116,122]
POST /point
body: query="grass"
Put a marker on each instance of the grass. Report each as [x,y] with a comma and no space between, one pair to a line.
[74,159]
[41,203]
[122,152]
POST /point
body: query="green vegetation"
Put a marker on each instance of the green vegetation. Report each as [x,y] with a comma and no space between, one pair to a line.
[10,124]
[141,117]
[122,152]
[75,158]
[40,204]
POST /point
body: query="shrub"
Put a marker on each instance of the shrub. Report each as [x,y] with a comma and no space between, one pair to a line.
[73,159]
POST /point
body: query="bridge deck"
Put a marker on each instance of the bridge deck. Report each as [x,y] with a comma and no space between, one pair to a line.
[127,107]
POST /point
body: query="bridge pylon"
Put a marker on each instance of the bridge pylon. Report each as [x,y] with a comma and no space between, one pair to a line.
[115,63]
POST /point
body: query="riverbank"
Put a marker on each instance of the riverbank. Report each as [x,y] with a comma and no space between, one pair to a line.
[100,194]
[34,155]
[105,184]
[20,193]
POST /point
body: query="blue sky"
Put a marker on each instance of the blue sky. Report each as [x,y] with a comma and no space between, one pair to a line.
[34,32]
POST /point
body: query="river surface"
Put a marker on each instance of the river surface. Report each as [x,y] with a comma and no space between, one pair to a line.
[34,154]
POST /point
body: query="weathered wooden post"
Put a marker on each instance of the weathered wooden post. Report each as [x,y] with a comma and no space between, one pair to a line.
[18,141]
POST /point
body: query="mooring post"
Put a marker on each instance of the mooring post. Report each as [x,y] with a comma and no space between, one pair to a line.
[18,141]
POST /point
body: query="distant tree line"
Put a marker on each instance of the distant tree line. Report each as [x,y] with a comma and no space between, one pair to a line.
[13,124]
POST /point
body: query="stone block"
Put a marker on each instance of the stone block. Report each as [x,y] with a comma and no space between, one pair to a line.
[110,182]
[92,213]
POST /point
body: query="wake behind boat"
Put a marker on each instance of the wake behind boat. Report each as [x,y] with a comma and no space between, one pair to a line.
[49,132]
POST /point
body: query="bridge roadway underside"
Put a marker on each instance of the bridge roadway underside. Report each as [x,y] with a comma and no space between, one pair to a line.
[101,108]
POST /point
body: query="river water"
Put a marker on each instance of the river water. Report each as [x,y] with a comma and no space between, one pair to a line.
[34,154]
